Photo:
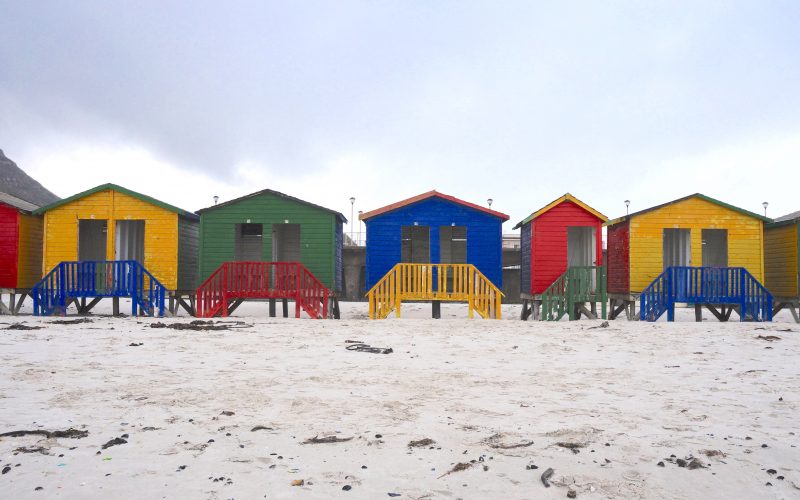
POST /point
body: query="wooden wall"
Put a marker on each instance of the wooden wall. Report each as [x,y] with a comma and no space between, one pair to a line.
[161,231]
[745,238]
[484,236]
[318,240]
[29,266]
[781,248]
[9,246]
[618,258]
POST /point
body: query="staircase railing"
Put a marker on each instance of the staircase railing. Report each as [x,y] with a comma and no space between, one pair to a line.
[114,278]
[262,280]
[435,282]
[577,285]
[733,286]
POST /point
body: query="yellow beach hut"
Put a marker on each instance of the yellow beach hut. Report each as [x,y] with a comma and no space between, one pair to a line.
[694,250]
[107,224]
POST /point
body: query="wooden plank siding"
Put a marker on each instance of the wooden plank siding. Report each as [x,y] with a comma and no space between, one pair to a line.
[525,257]
[161,231]
[745,237]
[188,253]
[9,246]
[549,240]
[29,267]
[618,258]
[484,236]
[781,259]
[318,226]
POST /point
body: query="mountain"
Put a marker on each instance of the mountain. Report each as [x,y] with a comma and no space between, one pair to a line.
[17,183]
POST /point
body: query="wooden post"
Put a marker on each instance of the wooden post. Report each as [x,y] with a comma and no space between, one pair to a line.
[271,308]
[285,308]
[436,309]
[698,312]
[470,286]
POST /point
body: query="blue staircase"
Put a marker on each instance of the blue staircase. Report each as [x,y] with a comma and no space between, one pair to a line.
[711,286]
[70,281]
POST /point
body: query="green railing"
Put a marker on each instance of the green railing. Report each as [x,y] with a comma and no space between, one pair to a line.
[578,285]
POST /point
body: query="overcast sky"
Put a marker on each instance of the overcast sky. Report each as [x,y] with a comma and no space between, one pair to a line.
[381,100]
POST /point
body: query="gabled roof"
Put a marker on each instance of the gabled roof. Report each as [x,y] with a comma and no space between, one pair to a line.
[558,201]
[15,202]
[275,193]
[696,195]
[425,196]
[119,189]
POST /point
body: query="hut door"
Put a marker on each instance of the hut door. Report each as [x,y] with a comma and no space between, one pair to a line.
[415,246]
[92,239]
[581,246]
[452,249]
[248,243]
[715,247]
[129,240]
[286,242]
[677,247]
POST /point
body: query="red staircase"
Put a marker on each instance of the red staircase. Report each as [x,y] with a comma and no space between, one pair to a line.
[234,282]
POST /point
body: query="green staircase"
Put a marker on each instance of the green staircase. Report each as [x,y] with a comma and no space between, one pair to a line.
[569,294]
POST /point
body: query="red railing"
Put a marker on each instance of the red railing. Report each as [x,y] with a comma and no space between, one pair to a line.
[262,280]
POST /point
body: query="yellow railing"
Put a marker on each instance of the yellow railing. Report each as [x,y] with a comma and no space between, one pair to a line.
[442,282]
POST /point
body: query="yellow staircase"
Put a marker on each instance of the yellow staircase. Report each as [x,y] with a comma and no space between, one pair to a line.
[436,282]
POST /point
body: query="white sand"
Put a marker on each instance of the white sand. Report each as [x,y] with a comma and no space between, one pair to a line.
[633,394]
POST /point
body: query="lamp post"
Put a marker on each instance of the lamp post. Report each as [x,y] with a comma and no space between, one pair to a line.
[765,205]
[489,201]
[352,202]
[627,204]
[216,199]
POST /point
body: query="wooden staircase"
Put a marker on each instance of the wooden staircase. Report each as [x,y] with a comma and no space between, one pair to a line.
[71,282]
[234,282]
[569,293]
[434,282]
[726,288]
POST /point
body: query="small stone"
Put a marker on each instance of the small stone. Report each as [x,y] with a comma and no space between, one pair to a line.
[6,469]
[210,440]
[681,462]
[38,488]
[768,484]
[298,482]
[363,466]
[764,445]
[771,471]
[747,438]
[485,468]
[378,436]
[347,487]
[660,464]
[780,477]
[571,493]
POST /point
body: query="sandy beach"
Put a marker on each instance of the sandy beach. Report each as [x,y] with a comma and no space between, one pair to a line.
[460,409]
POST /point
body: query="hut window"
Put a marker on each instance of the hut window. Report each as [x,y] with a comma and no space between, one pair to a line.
[415,245]
[129,240]
[453,245]
[677,247]
[248,242]
[715,247]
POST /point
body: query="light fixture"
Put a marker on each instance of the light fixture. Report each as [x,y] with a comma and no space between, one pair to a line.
[216,199]
[765,205]
[627,204]
[489,201]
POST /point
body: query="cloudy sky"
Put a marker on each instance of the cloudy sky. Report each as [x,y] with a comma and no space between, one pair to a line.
[381,100]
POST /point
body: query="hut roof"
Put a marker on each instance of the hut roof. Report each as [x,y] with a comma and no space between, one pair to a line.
[787,219]
[695,195]
[558,201]
[425,196]
[17,203]
[119,189]
[15,182]
[276,193]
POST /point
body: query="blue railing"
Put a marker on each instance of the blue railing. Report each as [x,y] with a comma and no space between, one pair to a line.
[85,279]
[733,286]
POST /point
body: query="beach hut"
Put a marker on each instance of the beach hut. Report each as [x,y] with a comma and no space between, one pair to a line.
[434,247]
[110,241]
[782,262]
[694,250]
[561,262]
[269,245]
[20,251]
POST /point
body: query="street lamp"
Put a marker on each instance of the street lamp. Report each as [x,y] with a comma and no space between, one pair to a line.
[765,205]
[627,204]
[489,201]
[216,199]
[352,202]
